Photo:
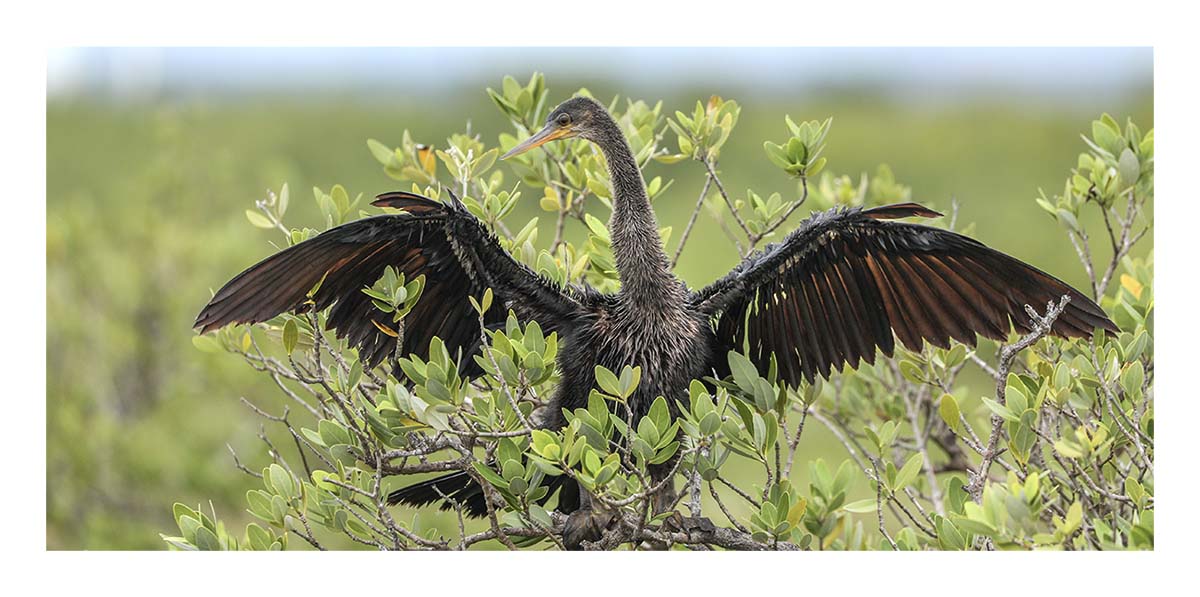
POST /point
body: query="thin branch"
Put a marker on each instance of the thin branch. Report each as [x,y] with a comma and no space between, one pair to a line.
[712,174]
[775,226]
[879,507]
[687,231]
[926,462]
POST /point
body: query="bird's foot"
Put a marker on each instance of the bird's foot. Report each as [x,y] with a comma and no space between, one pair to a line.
[585,525]
[678,523]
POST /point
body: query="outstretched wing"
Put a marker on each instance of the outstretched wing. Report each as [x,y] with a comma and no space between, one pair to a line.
[842,284]
[450,247]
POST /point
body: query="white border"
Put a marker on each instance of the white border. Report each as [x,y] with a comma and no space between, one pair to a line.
[595,22]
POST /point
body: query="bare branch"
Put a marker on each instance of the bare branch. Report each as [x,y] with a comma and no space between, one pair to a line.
[1041,326]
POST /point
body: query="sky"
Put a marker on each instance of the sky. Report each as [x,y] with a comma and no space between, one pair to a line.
[131,73]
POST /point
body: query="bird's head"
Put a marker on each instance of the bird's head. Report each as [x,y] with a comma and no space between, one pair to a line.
[576,117]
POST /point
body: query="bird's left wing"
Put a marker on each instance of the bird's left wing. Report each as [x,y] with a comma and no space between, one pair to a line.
[839,287]
[443,242]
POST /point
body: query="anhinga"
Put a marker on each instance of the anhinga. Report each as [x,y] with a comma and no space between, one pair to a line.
[845,284]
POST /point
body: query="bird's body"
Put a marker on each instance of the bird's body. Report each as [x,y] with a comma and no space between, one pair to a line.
[613,337]
[837,290]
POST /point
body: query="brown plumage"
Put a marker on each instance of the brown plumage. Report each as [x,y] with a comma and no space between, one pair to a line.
[847,280]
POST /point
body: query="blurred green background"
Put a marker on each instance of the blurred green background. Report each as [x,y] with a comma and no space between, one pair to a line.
[154,155]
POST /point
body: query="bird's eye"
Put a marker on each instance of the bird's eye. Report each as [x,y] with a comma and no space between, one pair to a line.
[563,119]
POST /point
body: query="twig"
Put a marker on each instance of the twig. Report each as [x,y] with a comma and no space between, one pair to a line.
[775,225]
[687,231]
[879,507]
[240,466]
[739,491]
[793,443]
[712,174]
[935,491]
[712,490]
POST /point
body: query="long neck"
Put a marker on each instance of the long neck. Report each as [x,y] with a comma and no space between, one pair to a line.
[645,272]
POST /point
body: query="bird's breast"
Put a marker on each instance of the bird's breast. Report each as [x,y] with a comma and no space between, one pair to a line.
[671,351]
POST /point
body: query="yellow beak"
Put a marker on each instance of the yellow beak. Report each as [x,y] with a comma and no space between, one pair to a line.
[549,133]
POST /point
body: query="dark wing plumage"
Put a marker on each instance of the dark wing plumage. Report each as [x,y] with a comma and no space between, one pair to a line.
[842,284]
[452,249]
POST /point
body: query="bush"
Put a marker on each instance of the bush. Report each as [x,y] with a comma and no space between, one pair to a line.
[1059,456]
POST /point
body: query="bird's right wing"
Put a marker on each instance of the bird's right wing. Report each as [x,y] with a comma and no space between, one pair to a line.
[451,248]
[837,289]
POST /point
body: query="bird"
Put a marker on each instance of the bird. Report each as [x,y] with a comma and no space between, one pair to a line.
[845,285]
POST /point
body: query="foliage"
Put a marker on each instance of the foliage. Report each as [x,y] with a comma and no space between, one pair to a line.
[1065,440]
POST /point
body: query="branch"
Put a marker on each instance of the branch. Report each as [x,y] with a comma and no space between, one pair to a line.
[879,507]
[1041,327]
[627,531]
[687,231]
[795,205]
[919,436]
[712,174]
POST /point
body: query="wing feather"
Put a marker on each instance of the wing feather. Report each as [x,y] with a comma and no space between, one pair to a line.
[819,354]
[442,242]
[847,318]
[826,322]
[848,283]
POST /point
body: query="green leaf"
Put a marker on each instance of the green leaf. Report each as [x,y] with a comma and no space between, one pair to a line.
[206,540]
[1067,219]
[1133,378]
[948,536]
[909,472]
[860,506]
[796,512]
[383,154]
[815,167]
[745,374]
[206,344]
[341,199]
[659,414]
[259,220]
[284,198]
[797,153]
[1074,518]
[542,439]
[596,226]
[291,334]
[188,526]
[608,381]
[260,504]
[488,296]
[180,510]
[332,433]
[665,453]
[912,371]
[281,481]
[628,383]
[977,527]
[1014,395]
[1107,137]
[777,154]
[1128,167]
[1066,449]
[999,409]
[948,409]
[489,474]
[1134,490]
[485,161]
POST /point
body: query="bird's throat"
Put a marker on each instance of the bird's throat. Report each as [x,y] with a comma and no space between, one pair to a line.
[645,272]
